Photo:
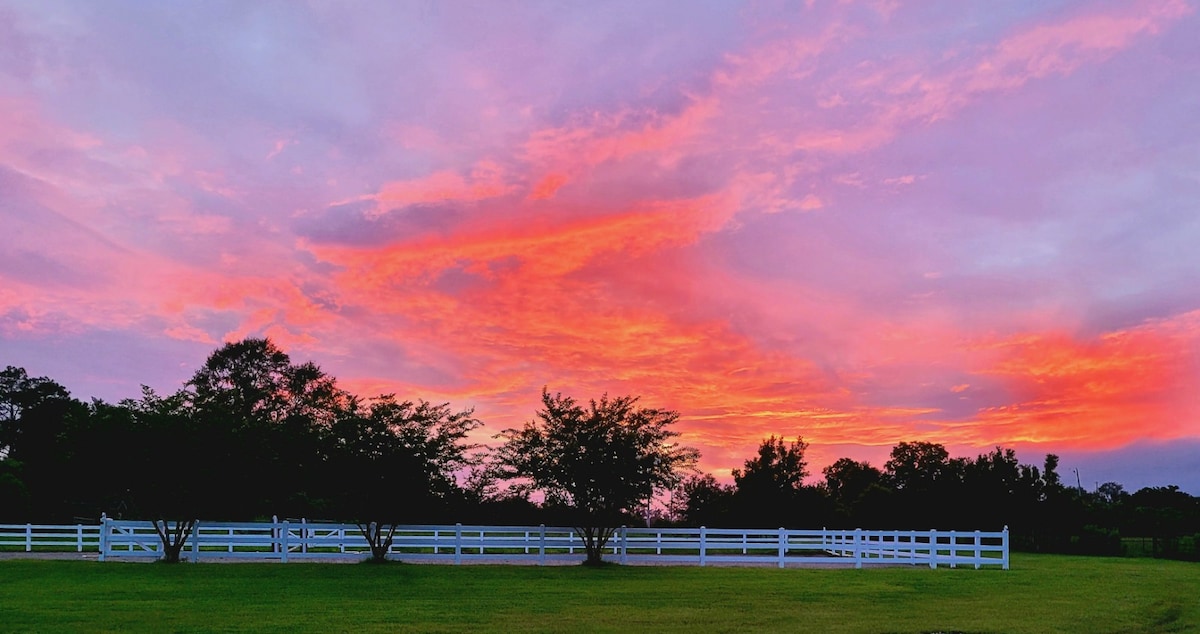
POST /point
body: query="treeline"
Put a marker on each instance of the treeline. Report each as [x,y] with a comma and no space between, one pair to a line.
[253,434]
[921,487]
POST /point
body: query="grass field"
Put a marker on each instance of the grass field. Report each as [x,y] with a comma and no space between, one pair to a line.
[1042,593]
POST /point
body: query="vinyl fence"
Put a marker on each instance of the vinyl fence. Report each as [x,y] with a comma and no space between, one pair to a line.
[541,545]
[49,537]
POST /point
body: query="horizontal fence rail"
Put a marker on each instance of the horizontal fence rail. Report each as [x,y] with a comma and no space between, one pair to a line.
[49,537]
[538,545]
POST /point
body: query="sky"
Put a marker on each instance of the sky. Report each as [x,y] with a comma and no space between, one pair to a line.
[859,222]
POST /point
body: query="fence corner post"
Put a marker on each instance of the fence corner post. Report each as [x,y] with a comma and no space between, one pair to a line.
[933,547]
[1004,546]
[703,544]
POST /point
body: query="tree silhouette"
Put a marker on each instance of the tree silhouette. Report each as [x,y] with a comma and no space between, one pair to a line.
[394,459]
[770,485]
[600,462]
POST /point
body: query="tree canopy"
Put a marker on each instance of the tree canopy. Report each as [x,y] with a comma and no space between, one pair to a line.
[602,461]
[253,434]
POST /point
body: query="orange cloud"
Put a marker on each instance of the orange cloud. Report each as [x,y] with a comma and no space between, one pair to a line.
[1122,386]
[485,180]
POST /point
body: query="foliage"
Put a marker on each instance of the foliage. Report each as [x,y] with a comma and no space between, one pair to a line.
[601,461]
[852,486]
[700,500]
[769,488]
[265,418]
[778,468]
[253,434]
[393,459]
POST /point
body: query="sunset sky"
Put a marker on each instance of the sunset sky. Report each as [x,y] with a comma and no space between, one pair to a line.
[973,223]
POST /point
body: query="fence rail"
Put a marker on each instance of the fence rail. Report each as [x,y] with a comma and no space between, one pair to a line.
[538,545]
[39,537]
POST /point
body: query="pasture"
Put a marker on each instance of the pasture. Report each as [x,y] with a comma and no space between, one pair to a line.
[1041,593]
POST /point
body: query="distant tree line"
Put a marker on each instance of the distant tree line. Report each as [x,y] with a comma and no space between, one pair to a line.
[921,487]
[253,434]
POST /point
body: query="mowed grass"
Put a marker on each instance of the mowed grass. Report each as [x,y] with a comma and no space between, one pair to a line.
[1041,593]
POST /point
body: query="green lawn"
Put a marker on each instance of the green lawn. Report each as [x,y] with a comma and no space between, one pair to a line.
[1042,593]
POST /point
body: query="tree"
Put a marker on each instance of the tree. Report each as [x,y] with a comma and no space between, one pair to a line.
[699,500]
[1111,493]
[36,419]
[848,481]
[394,459]
[770,484]
[265,417]
[175,465]
[917,466]
[14,497]
[600,462]
[18,395]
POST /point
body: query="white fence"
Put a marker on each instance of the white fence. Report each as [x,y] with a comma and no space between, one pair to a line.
[290,541]
[49,537]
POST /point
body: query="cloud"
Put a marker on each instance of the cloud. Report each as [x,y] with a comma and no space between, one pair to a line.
[859,223]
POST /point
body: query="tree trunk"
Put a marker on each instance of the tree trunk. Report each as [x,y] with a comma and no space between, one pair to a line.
[173,539]
[594,541]
[379,538]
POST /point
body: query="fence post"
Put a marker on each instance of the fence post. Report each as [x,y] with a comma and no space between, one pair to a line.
[541,544]
[703,544]
[283,541]
[304,535]
[953,549]
[933,553]
[782,546]
[102,542]
[79,538]
[458,543]
[1004,548]
[978,552]
[624,544]
[28,537]
[858,548]
[196,541]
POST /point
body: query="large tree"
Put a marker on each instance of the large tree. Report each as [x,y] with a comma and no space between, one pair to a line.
[853,488]
[393,460]
[37,422]
[699,500]
[269,415]
[770,486]
[601,461]
[175,457]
